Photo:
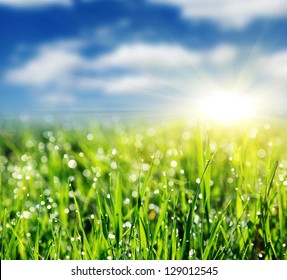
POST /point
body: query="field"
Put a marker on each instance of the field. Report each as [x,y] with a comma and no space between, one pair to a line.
[141,191]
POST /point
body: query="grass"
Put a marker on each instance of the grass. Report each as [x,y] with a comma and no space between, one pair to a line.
[139,192]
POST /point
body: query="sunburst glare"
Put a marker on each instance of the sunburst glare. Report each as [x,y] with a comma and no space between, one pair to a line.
[228,107]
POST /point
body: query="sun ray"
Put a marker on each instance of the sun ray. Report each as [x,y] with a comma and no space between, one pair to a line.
[227,107]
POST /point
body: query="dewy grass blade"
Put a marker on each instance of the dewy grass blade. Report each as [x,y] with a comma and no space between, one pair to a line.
[213,232]
[160,220]
[85,240]
[271,180]
[120,207]
[118,221]
[189,222]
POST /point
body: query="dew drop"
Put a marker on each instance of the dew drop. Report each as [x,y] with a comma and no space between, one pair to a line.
[90,136]
[72,164]
[173,163]
[111,236]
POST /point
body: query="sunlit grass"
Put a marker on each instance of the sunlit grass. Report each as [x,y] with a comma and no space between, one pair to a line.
[140,191]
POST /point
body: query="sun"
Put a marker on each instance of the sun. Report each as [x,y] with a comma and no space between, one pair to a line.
[228,107]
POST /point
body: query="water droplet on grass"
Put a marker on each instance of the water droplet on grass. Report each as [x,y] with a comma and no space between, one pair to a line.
[229,180]
[72,164]
[113,165]
[171,183]
[127,225]
[133,177]
[72,207]
[127,201]
[111,236]
[261,153]
[173,163]
[86,173]
[134,194]
[26,215]
[90,136]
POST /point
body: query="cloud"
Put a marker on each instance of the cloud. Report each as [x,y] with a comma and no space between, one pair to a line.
[34,3]
[163,57]
[56,99]
[51,64]
[144,56]
[62,73]
[222,54]
[111,33]
[128,84]
[228,13]
[275,65]
[62,63]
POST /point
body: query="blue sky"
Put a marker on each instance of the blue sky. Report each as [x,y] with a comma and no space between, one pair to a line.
[133,55]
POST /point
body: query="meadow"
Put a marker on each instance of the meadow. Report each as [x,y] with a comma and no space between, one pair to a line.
[136,190]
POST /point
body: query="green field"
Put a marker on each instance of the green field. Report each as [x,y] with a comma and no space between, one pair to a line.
[142,191]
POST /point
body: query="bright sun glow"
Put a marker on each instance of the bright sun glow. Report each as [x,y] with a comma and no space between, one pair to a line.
[228,107]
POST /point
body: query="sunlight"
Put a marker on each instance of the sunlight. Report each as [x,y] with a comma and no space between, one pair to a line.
[228,107]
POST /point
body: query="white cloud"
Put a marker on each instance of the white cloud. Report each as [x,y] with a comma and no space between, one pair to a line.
[108,34]
[164,57]
[56,63]
[56,99]
[144,56]
[228,13]
[60,73]
[34,3]
[130,84]
[51,64]
[275,65]
[126,84]
[222,54]
[154,69]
